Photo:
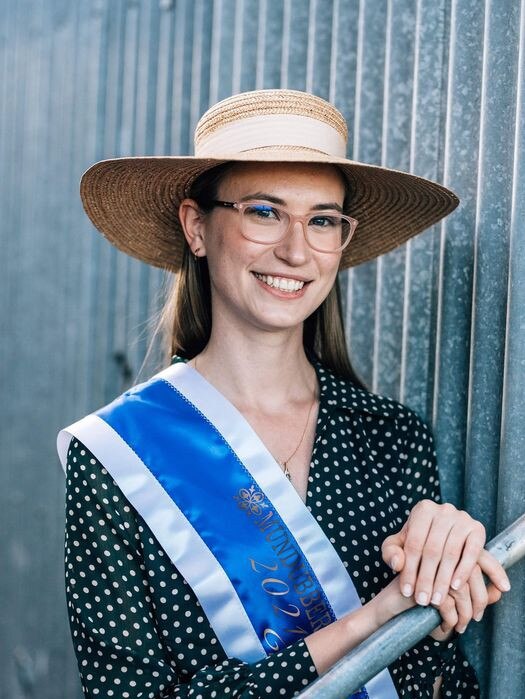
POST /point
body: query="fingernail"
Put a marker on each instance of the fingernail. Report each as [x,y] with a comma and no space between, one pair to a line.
[462,629]
[505,584]
[422,598]
[394,562]
[478,616]
[407,590]
[456,584]
[436,599]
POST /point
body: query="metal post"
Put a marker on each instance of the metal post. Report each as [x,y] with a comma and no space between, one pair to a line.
[402,632]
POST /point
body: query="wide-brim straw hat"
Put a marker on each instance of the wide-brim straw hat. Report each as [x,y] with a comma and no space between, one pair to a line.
[134,201]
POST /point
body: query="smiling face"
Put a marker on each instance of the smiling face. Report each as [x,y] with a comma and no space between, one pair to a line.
[269,287]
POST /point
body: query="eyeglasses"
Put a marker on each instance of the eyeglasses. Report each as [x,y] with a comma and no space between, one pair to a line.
[324,231]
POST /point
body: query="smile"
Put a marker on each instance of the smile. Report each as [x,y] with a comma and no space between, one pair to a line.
[280,283]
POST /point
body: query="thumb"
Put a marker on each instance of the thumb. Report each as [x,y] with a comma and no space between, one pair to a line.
[494,595]
[392,550]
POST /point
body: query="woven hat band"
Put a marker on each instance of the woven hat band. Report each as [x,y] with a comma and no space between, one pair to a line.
[271,130]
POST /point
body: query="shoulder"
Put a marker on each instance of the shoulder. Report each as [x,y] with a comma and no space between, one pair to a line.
[85,472]
[387,438]
[124,414]
[343,395]
[94,499]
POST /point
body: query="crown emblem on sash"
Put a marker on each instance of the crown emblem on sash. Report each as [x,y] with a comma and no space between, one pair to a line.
[251,500]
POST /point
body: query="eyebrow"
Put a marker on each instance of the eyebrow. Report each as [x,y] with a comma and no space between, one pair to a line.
[280,202]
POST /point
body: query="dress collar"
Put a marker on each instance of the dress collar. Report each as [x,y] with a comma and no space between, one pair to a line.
[342,393]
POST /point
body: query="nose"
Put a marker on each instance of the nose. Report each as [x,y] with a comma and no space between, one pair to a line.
[293,248]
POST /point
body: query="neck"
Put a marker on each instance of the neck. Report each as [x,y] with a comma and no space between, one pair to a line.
[261,370]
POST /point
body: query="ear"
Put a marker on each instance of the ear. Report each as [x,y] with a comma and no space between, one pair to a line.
[192,221]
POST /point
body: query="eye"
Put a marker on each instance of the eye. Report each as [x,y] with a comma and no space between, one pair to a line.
[325,221]
[262,212]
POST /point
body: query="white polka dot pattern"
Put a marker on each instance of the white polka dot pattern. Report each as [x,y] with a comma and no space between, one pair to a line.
[137,627]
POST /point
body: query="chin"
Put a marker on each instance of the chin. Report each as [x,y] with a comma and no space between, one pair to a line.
[279,322]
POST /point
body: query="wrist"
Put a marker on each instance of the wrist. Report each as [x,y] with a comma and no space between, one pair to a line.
[365,621]
[389,603]
[380,610]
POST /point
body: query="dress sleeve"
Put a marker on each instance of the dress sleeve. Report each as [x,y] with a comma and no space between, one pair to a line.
[416,670]
[119,630]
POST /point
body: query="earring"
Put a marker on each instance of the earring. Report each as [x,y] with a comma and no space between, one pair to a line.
[195,256]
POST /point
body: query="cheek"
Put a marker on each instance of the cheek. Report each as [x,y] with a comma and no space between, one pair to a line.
[223,239]
[227,257]
[329,268]
[217,248]
[214,238]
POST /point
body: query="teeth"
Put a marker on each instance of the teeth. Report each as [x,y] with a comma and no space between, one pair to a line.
[280,282]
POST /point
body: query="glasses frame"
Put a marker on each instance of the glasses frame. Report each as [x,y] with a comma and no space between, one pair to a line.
[241,205]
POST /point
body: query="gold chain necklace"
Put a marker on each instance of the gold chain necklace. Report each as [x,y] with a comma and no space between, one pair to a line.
[284,464]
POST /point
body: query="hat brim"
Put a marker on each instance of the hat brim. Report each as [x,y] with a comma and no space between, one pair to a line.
[134,202]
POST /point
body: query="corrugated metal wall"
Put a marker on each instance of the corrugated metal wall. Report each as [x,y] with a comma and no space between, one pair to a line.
[435,86]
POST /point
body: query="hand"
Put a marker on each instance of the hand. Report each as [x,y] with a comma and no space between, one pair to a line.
[437,550]
[461,606]
[458,608]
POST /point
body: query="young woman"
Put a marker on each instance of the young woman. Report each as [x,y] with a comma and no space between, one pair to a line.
[239,522]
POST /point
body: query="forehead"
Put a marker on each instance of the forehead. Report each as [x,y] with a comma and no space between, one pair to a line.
[292,179]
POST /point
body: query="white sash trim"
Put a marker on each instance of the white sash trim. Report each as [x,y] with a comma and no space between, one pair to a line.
[245,442]
[174,533]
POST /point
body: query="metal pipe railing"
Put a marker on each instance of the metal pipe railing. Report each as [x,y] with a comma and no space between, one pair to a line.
[402,632]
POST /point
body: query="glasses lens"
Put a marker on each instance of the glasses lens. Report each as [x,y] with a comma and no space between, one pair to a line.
[329,232]
[263,223]
[326,231]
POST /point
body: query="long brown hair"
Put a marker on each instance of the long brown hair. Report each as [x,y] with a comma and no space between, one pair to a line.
[186,320]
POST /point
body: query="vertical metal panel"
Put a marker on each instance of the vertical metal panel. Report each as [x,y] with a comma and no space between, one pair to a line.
[426,159]
[474,262]
[397,115]
[509,635]
[496,143]
[269,33]
[368,145]
[295,45]
[433,86]
[457,242]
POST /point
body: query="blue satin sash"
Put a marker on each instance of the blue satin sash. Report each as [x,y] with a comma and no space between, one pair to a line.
[199,471]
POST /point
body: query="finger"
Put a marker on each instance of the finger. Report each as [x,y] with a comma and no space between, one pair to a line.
[472,550]
[449,614]
[439,635]
[418,527]
[450,574]
[392,549]
[478,593]
[463,601]
[494,594]
[430,560]
[494,571]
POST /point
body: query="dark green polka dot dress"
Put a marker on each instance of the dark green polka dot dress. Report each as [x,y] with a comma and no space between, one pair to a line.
[138,629]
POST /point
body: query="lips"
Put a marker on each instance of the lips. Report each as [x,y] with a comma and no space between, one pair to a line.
[285,284]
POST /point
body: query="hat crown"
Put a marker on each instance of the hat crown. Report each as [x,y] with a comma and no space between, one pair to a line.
[279,118]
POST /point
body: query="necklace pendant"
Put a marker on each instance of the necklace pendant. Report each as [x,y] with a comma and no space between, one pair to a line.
[286,471]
